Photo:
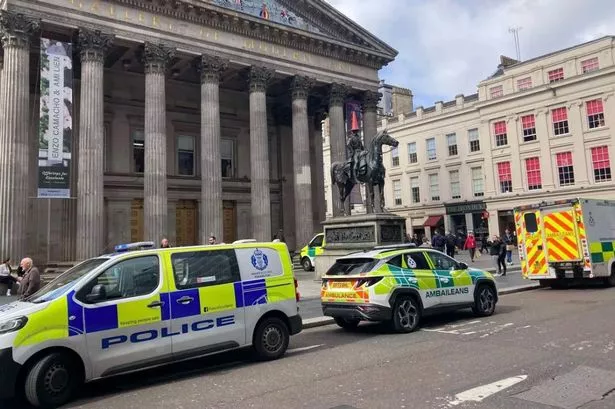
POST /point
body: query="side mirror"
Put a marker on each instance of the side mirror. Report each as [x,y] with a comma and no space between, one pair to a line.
[463,266]
[98,293]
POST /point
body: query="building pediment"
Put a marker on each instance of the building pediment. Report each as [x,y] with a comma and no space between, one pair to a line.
[309,25]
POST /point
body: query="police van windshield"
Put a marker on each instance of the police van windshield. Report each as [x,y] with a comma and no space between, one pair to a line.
[58,286]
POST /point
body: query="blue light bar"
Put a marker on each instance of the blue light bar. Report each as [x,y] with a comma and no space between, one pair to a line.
[141,245]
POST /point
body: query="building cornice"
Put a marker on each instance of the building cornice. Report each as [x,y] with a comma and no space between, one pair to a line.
[228,20]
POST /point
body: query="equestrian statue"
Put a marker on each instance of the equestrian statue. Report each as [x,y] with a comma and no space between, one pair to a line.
[362,166]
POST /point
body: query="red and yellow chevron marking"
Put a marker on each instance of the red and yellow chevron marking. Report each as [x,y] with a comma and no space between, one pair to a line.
[536,260]
[562,241]
[582,235]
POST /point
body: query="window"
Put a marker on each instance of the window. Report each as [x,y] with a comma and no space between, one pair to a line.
[565,169]
[129,278]
[442,262]
[204,268]
[395,156]
[499,130]
[412,157]
[496,92]
[352,266]
[434,187]
[524,83]
[431,149]
[474,140]
[415,189]
[601,163]
[478,185]
[317,241]
[397,192]
[531,222]
[560,121]
[227,155]
[595,113]
[451,140]
[528,122]
[455,184]
[138,151]
[534,179]
[556,75]
[414,260]
[185,155]
[505,177]
[590,65]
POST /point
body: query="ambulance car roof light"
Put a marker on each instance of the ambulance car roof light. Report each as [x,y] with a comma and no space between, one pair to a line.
[141,245]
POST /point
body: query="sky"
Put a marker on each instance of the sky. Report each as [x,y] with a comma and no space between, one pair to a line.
[446,47]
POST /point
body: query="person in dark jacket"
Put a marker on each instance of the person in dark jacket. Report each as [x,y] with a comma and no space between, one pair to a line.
[498,253]
[451,242]
[438,241]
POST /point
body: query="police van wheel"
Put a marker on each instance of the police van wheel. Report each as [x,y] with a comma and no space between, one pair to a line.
[52,381]
[271,339]
[484,301]
[306,264]
[406,314]
[346,323]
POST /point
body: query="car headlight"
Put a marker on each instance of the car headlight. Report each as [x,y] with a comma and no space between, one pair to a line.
[13,325]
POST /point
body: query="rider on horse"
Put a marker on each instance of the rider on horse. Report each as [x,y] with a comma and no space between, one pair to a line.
[354,147]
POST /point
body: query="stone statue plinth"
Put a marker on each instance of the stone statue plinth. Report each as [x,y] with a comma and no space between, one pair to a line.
[348,234]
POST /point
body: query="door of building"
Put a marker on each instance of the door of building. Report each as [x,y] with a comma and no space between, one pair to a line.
[186,223]
[229,222]
[136,220]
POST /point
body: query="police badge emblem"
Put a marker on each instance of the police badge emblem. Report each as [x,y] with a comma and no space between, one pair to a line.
[259,260]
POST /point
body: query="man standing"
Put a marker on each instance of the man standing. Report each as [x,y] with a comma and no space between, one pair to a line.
[451,241]
[438,241]
[31,280]
[164,244]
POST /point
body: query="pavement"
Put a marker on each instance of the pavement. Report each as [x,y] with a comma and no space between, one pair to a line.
[542,349]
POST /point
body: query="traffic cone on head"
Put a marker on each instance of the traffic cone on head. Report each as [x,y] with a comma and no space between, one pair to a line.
[354,121]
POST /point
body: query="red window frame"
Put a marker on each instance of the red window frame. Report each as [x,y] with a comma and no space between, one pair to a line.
[499,131]
[600,157]
[524,83]
[496,91]
[534,177]
[505,177]
[556,74]
[565,169]
[595,113]
[590,65]
[559,117]
[528,124]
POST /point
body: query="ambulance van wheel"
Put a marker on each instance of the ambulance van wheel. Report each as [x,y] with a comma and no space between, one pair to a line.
[306,264]
[347,324]
[271,339]
[610,280]
[52,381]
[484,301]
[406,314]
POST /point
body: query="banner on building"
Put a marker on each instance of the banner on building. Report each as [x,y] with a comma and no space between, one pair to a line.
[55,130]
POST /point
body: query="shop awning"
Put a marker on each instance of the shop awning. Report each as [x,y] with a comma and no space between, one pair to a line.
[432,221]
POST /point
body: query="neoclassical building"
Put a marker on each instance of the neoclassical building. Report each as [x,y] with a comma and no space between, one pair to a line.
[186,118]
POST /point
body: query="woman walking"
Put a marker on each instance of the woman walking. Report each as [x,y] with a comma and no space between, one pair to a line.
[470,245]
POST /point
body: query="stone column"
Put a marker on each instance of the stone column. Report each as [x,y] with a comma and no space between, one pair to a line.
[370,128]
[302,175]
[211,214]
[337,136]
[90,175]
[155,58]
[14,133]
[259,153]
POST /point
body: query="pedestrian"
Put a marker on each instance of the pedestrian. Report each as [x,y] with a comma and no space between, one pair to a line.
[212,240]
[509,240]
[502,259]
[6,276]
[470,245]
[31,280]
[496,250]
[438,241]
[451,242]
[164,244]
[425,243]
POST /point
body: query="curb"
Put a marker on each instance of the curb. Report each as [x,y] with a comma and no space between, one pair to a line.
[324,321]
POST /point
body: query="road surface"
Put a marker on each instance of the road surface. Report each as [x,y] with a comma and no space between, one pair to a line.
[543,349]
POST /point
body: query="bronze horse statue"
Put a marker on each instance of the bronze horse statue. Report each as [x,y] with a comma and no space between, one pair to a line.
[369,170]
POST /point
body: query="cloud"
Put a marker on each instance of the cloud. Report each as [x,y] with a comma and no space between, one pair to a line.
[447,47]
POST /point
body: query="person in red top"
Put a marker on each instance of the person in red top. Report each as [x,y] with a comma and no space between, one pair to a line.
[470,245]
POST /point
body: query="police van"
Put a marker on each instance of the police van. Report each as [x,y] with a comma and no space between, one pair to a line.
[142,307]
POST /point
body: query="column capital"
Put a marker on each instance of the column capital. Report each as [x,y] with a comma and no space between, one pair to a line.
[370,101]
[156,58]
[211,67]
[301,86]
[16,29]
[258,78]
[93,44]
[338,93]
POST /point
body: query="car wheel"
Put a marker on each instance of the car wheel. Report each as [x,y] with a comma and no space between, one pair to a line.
[610,280]
[406,314]
[484,301]
[52,381]
[271,339]
[306,264]
[346,323]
